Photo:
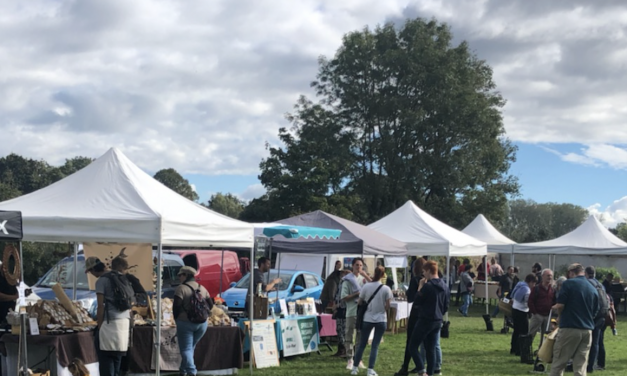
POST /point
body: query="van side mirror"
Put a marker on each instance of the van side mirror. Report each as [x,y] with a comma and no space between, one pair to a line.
[232,284]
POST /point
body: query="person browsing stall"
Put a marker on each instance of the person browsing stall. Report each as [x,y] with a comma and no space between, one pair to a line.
[188,333]
[351,287]
[115,297]
[375,319]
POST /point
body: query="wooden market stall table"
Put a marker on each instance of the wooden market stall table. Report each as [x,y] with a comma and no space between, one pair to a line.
[480,290]
[51,351]
[219,350]
[302,333]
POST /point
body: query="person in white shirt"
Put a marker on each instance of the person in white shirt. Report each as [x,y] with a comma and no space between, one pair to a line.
[351,288]
[378,297]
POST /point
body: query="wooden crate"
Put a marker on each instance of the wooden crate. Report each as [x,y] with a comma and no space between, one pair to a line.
[260,307]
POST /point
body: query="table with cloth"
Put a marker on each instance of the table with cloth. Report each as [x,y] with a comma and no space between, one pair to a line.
[219,350]
[398,314]
[53,352]
[282,323]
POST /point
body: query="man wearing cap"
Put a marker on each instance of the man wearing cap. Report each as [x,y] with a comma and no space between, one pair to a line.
[187,332]
[577,304]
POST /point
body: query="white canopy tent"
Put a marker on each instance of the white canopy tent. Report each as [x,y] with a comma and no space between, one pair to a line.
[113,200]
[425,235]
[480,228]
[590,238]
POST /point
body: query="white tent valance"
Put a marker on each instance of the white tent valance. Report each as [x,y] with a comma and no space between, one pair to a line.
[590,238]
[426,235]
[113,200]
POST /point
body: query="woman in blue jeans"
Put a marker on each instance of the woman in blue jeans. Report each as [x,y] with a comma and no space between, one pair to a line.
[433,295]
[187,333]
[375,318]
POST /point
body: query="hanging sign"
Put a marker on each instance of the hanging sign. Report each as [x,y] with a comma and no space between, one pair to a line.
[11,225]
[139,257]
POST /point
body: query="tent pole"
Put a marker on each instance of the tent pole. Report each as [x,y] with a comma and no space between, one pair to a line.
[221,272]
[512,258]
[159,273]
[251,301]
[75,276]
[23,362]
[487,298]
[277,275]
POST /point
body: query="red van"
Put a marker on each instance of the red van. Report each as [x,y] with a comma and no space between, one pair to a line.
[207,263]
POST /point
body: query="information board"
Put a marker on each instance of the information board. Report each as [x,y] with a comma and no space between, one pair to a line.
[299,336]
[263,344]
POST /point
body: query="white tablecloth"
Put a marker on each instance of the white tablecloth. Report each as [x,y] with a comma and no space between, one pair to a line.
[402,309]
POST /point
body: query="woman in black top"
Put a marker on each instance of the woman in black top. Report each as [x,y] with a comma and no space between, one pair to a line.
[413,314]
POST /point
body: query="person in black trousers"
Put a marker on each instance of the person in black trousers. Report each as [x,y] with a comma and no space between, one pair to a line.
[520,311]
[417,272]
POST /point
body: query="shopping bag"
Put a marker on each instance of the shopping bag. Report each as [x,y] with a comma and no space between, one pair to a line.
[546,350]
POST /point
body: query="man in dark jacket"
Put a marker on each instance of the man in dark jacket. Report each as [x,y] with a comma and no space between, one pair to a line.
[433,296]
[541,299]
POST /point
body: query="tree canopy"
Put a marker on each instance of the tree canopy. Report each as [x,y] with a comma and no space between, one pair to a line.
[402,115]
[528,221]
[227,204]
[173,180]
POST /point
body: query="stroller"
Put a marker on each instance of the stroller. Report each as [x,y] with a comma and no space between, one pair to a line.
[537,365]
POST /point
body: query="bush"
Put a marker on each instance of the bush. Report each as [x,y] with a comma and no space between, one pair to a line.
[602,272]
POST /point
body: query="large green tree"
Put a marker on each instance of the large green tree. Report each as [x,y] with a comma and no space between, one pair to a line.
[527,221]
[226,204]
[173,180]
[403,115]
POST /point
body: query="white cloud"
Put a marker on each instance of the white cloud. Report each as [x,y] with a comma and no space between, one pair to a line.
[252,191]
[596,155]
[613,214]
[200,86]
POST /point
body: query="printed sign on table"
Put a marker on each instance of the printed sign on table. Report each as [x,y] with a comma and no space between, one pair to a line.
[299,336]
[264,345]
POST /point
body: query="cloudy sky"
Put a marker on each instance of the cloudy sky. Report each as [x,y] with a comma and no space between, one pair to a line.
[200,86]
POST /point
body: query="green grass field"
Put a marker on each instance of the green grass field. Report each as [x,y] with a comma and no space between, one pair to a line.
[470,350]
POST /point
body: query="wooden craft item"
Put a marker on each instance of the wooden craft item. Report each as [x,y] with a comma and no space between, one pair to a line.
[64,300]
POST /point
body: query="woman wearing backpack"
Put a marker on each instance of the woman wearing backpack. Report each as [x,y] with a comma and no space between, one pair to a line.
[188,330]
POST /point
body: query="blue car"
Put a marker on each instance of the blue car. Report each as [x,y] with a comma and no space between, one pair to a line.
[295,285]
[63,272]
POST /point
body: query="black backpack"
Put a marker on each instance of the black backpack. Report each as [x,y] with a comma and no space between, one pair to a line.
[122,291]
[199,307]
[604,304]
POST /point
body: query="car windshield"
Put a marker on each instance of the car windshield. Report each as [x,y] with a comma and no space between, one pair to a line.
[63,273]
[285,280]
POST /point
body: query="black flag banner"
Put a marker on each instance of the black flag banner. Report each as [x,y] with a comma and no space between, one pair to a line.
[10,225]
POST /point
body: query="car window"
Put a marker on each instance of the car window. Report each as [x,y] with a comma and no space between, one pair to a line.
[63,273]
[311,280]
[285,281]
[300,281]
[170,271]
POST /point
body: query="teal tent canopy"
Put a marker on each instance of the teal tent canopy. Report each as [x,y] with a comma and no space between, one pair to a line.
[293,232]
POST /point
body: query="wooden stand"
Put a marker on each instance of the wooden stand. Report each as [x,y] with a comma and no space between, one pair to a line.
[260,307]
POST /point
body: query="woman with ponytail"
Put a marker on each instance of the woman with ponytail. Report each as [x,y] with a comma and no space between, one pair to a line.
[375,318]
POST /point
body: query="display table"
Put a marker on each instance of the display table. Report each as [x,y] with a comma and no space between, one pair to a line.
[328,326]
[53,352]
[220,349]
[297,330]
[480,290]
[397,315]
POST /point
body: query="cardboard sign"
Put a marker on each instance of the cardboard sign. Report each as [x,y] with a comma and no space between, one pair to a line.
[263,344]
[138,256]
